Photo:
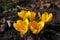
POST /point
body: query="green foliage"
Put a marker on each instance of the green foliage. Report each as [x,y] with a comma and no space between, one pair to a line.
[7,4]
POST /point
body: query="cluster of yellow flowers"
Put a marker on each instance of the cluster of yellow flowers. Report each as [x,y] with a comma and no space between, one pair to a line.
[35,27]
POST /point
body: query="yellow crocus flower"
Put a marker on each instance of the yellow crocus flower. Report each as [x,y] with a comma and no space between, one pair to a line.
[21,26]
[46,17]
[36,27]
[23,14]
[32,15]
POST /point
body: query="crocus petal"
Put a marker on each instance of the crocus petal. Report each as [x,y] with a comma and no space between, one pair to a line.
[44,16]
[39,15]
[49,18]
[41,25]
[26,21]
[21,14]
[35,32]
[29,13]
[16,26]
